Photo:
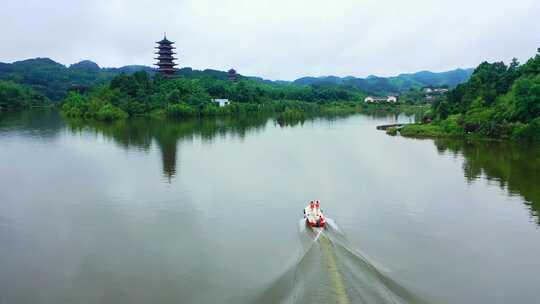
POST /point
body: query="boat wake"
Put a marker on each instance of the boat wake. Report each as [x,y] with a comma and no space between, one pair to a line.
[328,270]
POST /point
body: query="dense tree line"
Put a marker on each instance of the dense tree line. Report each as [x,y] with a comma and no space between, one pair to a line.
[14,96]
[139,94]
[499,100]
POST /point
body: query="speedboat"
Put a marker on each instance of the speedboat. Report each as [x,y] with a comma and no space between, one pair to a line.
[314,216]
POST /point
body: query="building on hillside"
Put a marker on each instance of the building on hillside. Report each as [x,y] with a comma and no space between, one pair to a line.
[430,90]
[431,94]
[166,65]
[232,75]
[381,99]
[221,102]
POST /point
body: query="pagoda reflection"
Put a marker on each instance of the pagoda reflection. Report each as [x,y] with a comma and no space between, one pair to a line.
[142,134]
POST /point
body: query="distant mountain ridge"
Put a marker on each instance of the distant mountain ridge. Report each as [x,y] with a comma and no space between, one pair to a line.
[54,79]
[396,84]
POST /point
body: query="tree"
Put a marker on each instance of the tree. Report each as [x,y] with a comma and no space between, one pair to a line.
[15,96]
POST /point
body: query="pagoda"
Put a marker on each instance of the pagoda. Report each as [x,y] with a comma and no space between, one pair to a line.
[232,75]
[165,57]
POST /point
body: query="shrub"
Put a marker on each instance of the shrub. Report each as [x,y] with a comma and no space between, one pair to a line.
[427,130]
[527,132]
[109,112]
[180,110]
[16,96]
[479,119]
[291,117]
[79,106]
[391,131]
[453,124]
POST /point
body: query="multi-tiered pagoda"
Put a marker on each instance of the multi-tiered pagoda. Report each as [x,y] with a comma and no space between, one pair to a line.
[232,75]
[166,57]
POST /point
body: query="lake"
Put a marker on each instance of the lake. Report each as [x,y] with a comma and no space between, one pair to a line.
[210,211]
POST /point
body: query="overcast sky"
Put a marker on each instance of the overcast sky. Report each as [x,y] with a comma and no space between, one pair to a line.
[277,39]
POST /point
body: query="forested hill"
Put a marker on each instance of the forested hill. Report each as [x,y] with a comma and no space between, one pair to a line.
[53,79]
[498,101]
[395,84]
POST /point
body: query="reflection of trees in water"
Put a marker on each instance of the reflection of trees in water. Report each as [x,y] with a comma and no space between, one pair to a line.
[139,133]
[515,167]
[44,123]
[311,117]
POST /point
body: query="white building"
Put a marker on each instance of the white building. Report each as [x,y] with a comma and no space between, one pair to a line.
[431,94]
[221,102]
[429,90]
[376,99]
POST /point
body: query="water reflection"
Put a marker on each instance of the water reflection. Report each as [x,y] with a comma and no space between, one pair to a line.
[37,124]
[514,167]
[141,133]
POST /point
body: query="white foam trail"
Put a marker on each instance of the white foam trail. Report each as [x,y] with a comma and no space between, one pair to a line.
[319,232]
[329,269]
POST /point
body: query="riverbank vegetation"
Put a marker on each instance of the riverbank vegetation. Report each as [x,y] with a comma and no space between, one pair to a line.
[291,116]
[138,94]
[14,96]
[499,101]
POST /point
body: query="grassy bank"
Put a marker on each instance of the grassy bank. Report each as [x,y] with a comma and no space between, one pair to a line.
[453,127]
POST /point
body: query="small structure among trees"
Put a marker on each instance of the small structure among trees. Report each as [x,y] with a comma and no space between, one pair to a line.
[221,102]
[431,94]
[383,99]
[166,65]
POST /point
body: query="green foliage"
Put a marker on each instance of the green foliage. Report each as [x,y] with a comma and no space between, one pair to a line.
[53,79]
[108,112]
[498,101]
[478,120]
[76,105]
[340,108]
[180,110]
[452,125]
[413,96]
[392,131]
[526,103]
[138,94]
[291,115]
[418,130]
[527,132]
[15,96]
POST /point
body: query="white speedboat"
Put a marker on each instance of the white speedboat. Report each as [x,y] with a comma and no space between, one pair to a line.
[314,216]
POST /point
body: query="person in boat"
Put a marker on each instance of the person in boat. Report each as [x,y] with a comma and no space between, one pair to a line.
[318,210]
[309,208]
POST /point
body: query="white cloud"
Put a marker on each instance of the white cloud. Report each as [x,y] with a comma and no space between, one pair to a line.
[276,39]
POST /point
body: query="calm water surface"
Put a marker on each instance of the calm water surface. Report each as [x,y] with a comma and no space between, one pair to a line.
[207,211]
